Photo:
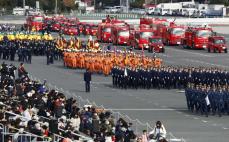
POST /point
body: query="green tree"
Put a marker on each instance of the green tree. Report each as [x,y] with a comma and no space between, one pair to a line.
[137,4]
[48,5]
[8,4]
[108,2]
[218,1]
[70,4]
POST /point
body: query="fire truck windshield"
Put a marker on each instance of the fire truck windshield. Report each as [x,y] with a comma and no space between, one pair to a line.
[124,33]
[178,31]
[38,19]
[94,27]
[156,40]
[219,41]
[203,33]
[107,30]
[73,26]
[146,35]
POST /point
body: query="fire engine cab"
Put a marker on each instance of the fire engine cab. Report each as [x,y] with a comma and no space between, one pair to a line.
[197,37]
[120,32]
[120,35]
[140,38]
[104,32]
[171,34]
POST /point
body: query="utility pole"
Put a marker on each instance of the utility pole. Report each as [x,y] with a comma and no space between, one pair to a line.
[23,3]
[127,6]
[56,7]
[94,5]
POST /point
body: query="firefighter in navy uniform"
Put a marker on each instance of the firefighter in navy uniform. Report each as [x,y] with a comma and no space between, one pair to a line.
[48,55]
[29,54]
[87,79]
[220,101]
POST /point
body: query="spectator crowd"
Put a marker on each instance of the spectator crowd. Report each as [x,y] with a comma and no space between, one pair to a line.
[30,106]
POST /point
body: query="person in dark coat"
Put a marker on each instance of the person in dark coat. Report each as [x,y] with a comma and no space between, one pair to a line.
[87,79]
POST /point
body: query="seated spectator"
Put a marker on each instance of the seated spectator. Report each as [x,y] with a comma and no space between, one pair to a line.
[158,133]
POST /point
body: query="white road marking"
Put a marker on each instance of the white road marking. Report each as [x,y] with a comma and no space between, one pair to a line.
[180,91]
[225,128]
[195,118]
[204,121]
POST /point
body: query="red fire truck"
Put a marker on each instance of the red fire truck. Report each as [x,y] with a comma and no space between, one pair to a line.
[34,22]
[104,32]
[197,37]
[93,30]
[86,29]
[140,38]
[81,26]
[72,30]
[171,34]
[153,22]
[120,35]
[217,44]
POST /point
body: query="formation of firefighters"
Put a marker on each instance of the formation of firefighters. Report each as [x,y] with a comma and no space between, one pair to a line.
[76,44]
[25,45]
[103,62]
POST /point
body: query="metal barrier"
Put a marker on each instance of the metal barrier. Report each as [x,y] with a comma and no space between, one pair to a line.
[78,135]
[20,136]
[103,15]
[57,138]
[2,129]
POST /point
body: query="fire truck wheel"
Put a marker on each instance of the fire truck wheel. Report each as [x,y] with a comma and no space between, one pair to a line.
[162,50]
[209,50]
[225,50]
[214,50]
[193,46]
[149,50]
[136,47]
[167,42]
